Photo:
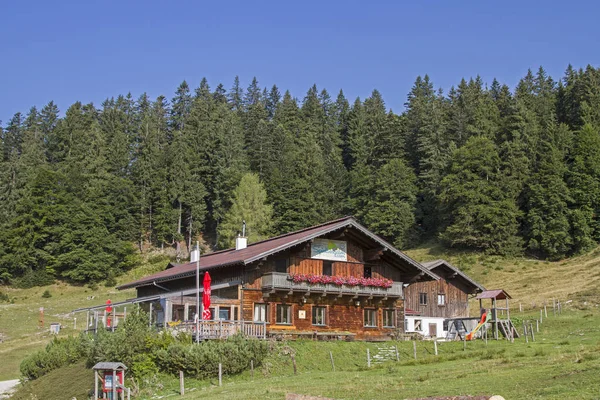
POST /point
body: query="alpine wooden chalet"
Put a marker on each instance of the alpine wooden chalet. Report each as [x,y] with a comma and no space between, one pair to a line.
[337,280]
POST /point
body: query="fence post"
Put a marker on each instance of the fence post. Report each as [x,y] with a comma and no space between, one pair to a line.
[541,317]
[537,326]
[75,323]
[220,374]
[415,349]
[520,308]
[531,330]
[397,354]
[545,311]
[465,343]
[368,358]
[181,383]
[525,332]
[486,334]
[294,363]
[332,364]
[435,347]
[252,368]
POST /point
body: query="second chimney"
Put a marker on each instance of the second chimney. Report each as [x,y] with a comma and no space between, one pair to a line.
[241,242]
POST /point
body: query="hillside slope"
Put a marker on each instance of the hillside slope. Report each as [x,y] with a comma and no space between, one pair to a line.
[528,281]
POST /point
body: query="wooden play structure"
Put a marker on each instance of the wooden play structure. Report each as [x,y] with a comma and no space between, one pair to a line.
[499,316]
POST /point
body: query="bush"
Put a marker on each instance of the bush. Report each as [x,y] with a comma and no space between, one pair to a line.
[46,294]
[33,278]
[202,360]
[4,297]
[58,353]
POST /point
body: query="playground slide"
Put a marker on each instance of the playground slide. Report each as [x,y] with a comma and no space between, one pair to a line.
[484,319]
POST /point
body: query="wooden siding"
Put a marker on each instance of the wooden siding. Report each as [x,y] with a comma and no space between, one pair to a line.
[341,315]
[456,299]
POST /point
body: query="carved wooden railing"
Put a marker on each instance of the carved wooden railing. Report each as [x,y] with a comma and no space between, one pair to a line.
[223,329]
[279,280]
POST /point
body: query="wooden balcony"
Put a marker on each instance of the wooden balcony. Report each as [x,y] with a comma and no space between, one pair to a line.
[277,281]
[223,329]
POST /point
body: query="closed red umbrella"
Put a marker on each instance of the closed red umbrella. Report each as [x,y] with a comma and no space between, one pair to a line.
[206,297]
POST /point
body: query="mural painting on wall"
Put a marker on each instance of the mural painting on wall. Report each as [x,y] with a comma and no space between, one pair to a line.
[327,249]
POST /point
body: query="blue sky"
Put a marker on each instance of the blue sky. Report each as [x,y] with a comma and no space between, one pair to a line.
[90,50]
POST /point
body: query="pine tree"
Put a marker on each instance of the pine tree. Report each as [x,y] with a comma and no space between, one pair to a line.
[481,214]
[584,186]
[391,211]
[428,149]
[235,95]
[249,204]
[548,197]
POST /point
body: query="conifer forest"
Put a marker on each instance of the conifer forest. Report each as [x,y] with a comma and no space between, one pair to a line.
[477,166]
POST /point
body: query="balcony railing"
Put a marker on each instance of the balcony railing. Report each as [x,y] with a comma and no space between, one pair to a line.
[225,329]
[282,281]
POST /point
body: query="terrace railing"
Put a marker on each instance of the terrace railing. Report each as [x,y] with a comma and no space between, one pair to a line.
[218,329]
[282,281]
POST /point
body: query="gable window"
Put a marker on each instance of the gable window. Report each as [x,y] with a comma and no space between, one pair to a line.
[318,315]
[422,299]
[260,312]
[284,314]
[441,299]
[388,319]
[418,325]
[367,272]
[281,265]
[371,318]
[327,268]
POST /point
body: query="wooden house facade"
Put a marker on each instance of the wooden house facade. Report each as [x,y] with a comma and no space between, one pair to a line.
[431,304]
[337,279]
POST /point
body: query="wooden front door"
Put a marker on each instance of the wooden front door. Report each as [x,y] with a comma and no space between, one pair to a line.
[433,330]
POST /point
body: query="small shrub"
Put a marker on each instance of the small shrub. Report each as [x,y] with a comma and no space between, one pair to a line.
[111,281]
[46,294]
[4,297]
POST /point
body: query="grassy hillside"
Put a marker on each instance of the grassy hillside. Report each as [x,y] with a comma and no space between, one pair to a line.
[528,281]
[20,317]
[563,359]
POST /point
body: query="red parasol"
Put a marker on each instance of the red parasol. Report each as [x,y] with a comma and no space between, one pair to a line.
[108,311]
[206,297]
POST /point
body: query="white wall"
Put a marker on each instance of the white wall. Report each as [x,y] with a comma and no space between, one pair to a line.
[425,321]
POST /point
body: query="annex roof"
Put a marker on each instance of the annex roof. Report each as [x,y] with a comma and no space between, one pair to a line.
[111,366]
[259,250]
[438,265]
[498,294]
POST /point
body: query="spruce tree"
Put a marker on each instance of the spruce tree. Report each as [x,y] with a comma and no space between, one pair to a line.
[482,215]
[249,204]
[391,211]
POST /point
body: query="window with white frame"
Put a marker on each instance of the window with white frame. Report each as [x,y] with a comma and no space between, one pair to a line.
[260,312]
[371,318]
[318,315]
[441,299]
[389,320]
[284,314]
[418,325]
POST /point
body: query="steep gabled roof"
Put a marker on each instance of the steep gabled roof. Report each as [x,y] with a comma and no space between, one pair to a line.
[266,248]
[437,266]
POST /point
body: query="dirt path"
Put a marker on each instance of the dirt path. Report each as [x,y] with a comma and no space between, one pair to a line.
[6,387]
